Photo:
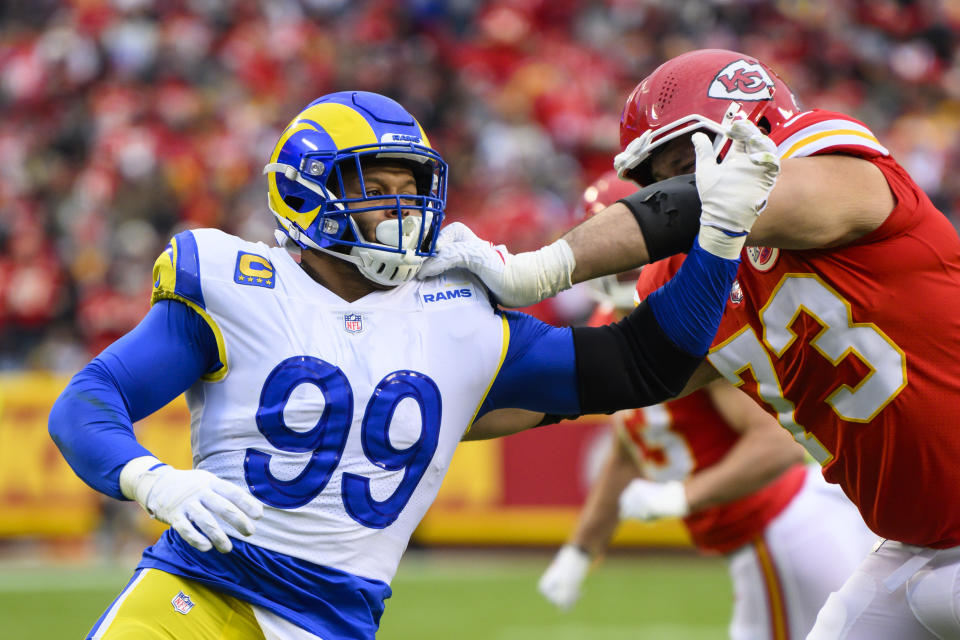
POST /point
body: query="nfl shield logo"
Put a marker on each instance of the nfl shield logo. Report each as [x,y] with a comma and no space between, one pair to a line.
[353,323]
[182,603]
[736,293]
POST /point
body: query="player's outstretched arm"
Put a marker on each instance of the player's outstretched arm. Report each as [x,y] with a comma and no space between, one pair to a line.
[562,581]
[820,202]
[657,221]
[91,423]
[648,356]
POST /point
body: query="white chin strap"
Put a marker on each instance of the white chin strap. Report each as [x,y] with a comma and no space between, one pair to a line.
[387,267]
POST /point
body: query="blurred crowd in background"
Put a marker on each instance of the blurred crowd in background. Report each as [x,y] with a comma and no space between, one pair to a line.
[126,121]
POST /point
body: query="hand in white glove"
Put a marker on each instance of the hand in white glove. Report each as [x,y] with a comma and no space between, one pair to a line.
[516,280]
[560,583]
[735,191]
[646,500]
[190,501]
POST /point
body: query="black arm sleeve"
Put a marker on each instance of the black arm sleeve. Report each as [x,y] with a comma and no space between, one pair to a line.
[668,213]
[629,364]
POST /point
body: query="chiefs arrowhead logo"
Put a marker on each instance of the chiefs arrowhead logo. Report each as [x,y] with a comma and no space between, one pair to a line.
[742,80]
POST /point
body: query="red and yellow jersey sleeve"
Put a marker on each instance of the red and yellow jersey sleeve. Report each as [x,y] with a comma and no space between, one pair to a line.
[823,132]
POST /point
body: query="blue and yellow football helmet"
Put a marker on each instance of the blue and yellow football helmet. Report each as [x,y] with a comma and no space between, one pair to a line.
[337,133]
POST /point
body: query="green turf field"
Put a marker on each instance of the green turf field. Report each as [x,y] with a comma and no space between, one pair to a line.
[441,595]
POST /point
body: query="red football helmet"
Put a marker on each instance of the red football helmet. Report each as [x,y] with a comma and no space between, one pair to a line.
[616,291]
[702,89]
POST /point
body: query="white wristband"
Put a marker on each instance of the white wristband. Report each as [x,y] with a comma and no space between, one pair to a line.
[720,244]
[538,275]
[138,476]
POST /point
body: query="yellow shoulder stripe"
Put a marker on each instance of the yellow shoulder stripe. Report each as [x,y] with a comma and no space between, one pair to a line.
[503,355]
[219,374]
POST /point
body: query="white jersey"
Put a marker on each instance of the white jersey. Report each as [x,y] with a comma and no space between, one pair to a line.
[341,417]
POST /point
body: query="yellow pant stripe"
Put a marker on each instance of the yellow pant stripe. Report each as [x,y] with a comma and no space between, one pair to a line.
[112,612]
[771,582]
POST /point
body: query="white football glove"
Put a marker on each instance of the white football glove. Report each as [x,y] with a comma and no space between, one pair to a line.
[560,583]
[646,500]
[516,280]
[734,191]
[190,501]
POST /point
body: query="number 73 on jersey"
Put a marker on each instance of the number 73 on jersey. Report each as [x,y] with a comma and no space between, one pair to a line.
[839,337]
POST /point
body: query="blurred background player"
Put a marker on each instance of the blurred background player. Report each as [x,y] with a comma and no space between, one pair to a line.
[328,395]
[849,324]
[717,460]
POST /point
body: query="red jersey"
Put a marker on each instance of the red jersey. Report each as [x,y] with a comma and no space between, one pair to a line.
[856,350]
[682,437]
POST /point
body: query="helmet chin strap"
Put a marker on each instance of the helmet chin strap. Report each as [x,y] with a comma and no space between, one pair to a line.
[387,268]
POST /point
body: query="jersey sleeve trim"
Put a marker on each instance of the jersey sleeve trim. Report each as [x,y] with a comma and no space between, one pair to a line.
[835,135]
[496,372]
[220,373]
[177,271]
[188,268]
[176,276]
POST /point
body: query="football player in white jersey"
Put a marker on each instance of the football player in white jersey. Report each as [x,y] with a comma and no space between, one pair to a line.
[327,395]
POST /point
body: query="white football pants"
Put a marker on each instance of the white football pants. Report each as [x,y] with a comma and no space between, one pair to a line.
[899,592]
[780,581]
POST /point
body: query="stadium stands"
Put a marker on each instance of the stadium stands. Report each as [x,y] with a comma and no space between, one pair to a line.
[125,121]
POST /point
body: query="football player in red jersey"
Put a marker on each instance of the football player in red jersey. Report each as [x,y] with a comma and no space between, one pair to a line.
[717,460]
[848,330]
